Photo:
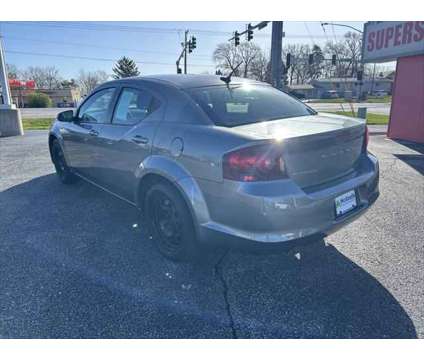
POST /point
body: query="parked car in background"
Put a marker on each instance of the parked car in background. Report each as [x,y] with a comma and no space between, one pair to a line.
[380,93]
[211,159]
[330,94]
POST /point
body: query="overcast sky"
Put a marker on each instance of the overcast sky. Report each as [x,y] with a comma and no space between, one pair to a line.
[155,45]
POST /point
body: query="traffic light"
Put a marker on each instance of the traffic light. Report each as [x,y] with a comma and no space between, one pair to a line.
[333,60]
[359,75]
[179,71]
[249,32]
[288,60]
[311,59]
[236,38]
[192,44]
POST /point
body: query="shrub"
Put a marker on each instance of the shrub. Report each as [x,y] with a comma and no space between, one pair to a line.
[39,100]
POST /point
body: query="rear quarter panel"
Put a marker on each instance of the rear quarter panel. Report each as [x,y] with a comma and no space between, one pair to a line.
[203,147]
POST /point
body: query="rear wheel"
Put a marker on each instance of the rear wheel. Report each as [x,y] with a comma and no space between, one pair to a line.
[62,170]
[170,223]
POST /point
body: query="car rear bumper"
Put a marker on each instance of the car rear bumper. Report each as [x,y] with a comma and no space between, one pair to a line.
[287,215]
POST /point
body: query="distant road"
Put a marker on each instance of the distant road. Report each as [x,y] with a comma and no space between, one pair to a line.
[383,108]
[41,113]
[374,108]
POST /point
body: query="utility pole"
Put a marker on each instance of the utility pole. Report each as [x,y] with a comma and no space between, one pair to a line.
[276,54]
[276,47]
[185,51]
[10,117]
[187,45]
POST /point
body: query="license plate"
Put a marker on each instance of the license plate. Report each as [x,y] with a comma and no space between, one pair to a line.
[345,202]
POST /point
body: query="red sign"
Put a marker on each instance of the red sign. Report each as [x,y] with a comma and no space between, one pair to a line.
[14,83]
[389,40]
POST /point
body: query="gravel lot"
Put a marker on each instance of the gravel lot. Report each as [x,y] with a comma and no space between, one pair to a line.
[74,263]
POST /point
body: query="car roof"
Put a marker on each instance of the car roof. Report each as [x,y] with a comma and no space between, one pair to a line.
[187,80]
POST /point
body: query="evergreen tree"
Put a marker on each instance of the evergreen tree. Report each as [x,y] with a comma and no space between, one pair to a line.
[125,67]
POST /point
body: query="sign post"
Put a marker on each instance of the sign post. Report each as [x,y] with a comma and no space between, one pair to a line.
[10,117]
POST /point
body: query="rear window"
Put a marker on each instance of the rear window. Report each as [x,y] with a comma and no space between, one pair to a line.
[241,104]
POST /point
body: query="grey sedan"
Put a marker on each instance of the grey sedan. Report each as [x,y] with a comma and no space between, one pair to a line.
[217,160]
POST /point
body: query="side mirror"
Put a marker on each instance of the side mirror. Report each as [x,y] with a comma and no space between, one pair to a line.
[66,116]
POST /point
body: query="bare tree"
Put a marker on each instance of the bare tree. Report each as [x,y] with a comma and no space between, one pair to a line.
[316,69]
[248,53]
[12,71]
[45,77]
[299,71]
[52,77]
[89,80]
[227,57]
[260,68]
[348,54]
[353,42]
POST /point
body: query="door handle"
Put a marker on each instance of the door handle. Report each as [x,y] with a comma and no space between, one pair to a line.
[138,139]
[93,132]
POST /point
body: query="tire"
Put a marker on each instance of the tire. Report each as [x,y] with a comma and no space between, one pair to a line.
[170,223]
[62,170]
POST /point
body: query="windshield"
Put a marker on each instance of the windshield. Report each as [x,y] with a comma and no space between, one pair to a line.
[241,104]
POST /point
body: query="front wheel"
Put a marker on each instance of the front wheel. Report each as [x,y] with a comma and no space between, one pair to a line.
[170,223]
[62,170]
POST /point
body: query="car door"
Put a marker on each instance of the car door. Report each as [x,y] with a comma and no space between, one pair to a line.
[129,138]
[82,143]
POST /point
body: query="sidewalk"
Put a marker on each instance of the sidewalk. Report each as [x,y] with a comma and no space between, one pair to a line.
[377,129]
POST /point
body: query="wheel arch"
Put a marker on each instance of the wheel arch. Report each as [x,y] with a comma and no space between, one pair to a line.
[158,168]
[52,137]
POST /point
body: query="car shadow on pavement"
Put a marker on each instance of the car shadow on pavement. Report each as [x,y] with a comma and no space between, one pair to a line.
[75,263]
[412,145]
[416,161]
[313,292]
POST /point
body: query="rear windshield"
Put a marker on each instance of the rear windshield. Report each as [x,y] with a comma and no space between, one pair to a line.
[241,104]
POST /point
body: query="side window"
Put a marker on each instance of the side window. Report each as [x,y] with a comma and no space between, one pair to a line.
[134,106]
[96,108]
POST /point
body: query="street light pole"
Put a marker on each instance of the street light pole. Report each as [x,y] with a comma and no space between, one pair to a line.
[343,25]
[362,64]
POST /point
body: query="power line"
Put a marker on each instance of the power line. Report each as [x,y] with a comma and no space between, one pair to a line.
[96,46]
[95,58]
[334,33]
[118,28]
[309,33]
[122,28]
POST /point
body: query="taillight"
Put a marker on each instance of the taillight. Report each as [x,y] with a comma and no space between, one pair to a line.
[366,138]
[255,163]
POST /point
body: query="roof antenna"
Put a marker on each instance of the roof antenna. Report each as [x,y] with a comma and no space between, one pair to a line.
[227,79]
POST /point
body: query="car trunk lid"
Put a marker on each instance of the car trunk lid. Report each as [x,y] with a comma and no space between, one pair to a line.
[316,149]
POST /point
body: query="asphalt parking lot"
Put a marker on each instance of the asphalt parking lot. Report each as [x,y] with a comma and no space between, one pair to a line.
[74,263]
